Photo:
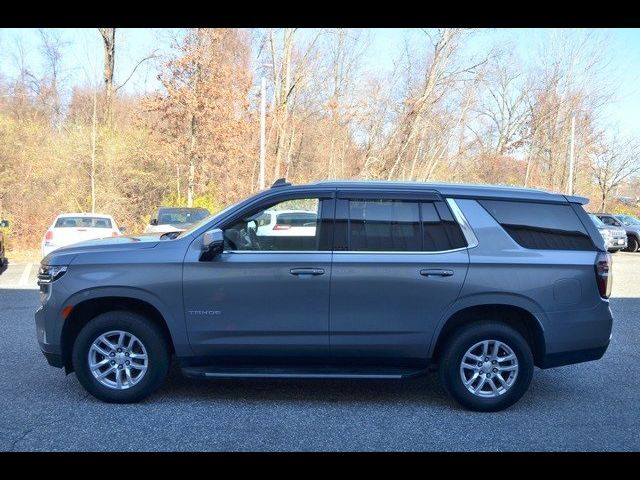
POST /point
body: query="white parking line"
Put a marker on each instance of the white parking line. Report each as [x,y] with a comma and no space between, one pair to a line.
[24,278]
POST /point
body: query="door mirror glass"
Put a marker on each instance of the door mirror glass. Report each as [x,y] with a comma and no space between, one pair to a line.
[4,223]
[212,244]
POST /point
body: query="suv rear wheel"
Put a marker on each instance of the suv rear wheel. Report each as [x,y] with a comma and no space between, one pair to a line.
[486,366]
[120,357]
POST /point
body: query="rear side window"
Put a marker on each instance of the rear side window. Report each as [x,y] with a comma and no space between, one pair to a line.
[83,222]
[401,225]
[540,226]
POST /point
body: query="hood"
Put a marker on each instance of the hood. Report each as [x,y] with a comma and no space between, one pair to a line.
[64,255]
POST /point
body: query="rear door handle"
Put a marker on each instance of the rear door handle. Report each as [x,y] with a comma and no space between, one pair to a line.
[436,272]
[307,271]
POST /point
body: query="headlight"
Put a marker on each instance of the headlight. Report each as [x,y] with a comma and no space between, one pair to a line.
[606,234]
[50,273]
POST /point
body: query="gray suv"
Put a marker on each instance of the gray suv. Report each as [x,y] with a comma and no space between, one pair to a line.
[391,280]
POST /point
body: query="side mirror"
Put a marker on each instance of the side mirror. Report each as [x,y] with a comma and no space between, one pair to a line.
[154,221]
[4,223]
[212,244]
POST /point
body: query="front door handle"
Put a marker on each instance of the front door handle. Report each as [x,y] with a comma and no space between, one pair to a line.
[307,271]
[436,272]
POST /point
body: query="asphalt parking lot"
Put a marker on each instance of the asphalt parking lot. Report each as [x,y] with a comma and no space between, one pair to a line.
[590,406]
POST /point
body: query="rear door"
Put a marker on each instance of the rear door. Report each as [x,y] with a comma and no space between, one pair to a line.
[399,262]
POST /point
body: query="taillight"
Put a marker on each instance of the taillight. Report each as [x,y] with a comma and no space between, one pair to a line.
[604,274]
[114,234]
[49,235]
[277,226]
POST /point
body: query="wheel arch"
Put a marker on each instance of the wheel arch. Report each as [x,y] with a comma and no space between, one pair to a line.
[517,314]
[85,310]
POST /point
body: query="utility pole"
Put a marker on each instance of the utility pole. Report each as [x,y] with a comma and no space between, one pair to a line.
[93,153]
[178,182]
[571,155]
[263,114]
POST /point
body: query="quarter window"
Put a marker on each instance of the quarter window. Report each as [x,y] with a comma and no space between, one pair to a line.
[541,226]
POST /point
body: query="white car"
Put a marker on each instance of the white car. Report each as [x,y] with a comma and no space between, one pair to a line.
[287,223]
[70,228]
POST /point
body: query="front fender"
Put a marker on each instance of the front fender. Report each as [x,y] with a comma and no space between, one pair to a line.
[173,318]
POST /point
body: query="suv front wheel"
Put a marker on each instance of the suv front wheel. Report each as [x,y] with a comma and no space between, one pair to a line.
[120,357]
[486,366]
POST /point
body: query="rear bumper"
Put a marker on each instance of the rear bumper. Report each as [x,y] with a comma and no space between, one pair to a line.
[576,336]
[569,358]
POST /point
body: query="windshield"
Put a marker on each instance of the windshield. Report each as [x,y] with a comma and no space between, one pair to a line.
[598,223]
[629,220]
[206,220]
[181,216]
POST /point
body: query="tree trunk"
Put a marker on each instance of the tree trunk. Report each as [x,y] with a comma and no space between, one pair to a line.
[109,39]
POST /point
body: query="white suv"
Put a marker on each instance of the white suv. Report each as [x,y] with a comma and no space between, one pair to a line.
[70,228]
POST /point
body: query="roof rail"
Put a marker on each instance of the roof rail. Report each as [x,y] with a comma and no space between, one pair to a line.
[281,182]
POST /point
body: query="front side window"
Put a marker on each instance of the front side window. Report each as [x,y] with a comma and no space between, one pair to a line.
[292,225]
[401,226]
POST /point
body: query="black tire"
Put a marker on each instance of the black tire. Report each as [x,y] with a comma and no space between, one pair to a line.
[632,244]
[464,338]
[146,331]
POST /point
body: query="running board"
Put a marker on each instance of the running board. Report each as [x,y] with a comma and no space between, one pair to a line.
[214,372]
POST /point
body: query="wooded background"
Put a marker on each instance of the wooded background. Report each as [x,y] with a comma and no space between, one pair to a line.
[441,114]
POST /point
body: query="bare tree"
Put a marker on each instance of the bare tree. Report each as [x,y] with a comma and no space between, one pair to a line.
[617,161]
[51,48]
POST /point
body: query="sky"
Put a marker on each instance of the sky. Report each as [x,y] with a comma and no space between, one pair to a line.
[83,58]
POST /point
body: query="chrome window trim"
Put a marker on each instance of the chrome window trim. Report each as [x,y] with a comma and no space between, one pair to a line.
[467,231]
[357,252]
[277,251]
[401,252]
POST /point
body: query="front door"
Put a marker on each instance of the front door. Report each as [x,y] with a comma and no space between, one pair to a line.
[266,297]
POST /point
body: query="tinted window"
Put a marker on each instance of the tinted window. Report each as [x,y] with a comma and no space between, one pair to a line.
[441,231]
[539,225]
[384,225]
[400,225]
[83,222]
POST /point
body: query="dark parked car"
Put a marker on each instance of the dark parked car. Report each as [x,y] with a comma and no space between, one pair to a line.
[482,283]
[175,219]
[630,224]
